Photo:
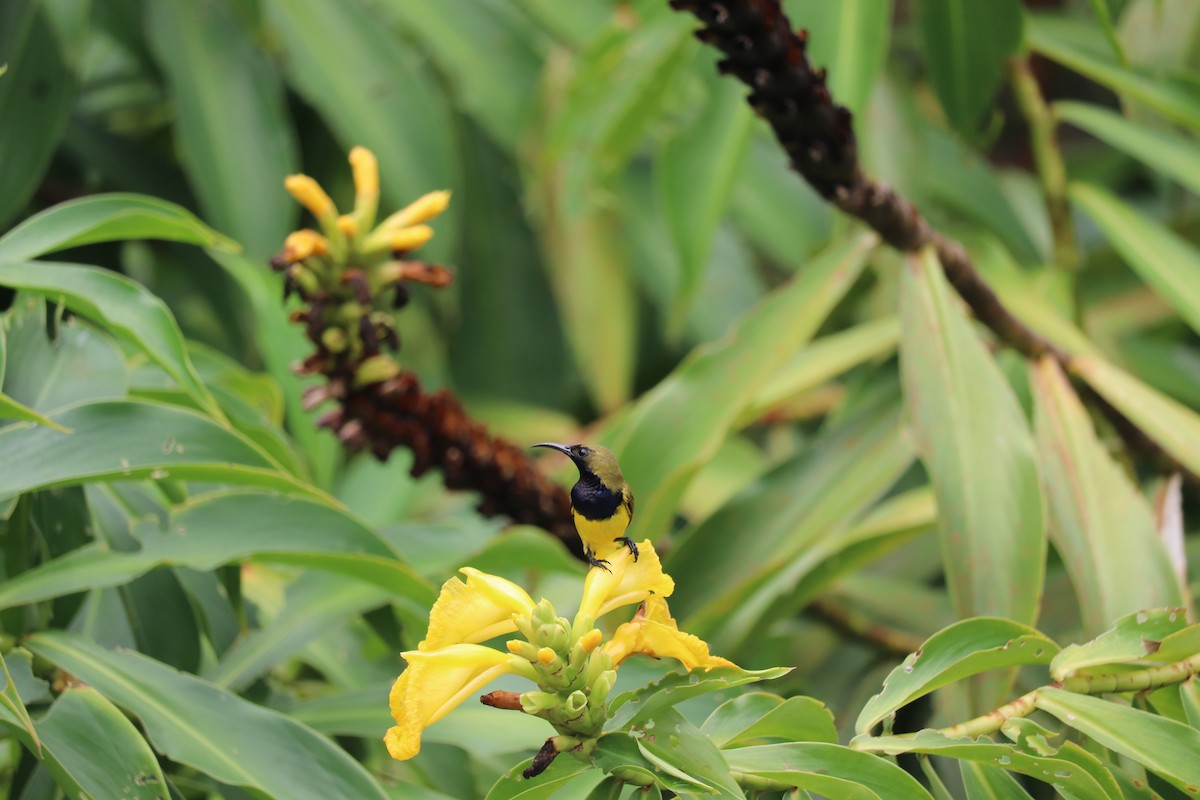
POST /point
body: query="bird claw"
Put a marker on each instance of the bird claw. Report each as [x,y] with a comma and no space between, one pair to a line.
[602,563]
[625,540]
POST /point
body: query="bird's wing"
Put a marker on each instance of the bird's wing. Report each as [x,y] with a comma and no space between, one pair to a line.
[627,501]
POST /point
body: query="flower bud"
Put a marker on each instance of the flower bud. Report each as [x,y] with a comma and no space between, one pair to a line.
[376,369]
[523,649]
[536,702]
[601,687]
[576,703]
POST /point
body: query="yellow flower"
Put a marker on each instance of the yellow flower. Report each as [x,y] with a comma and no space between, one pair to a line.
[654,632]
[433,685]
[310,195]
[628,582]
[475,611]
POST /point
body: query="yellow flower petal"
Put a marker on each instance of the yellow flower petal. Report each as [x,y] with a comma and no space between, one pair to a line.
[365,168]
[475,611]
[310,195]
[629,582]
[654,632]
[424,208]
[301,244]
[435,683]
[410,238]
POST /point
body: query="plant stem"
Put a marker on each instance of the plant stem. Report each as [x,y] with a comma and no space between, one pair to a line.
[856,623]
[991,722]
[1051,171]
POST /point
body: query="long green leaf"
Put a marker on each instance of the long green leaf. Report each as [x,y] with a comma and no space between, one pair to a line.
[134,440]
[1173,155]
[976,444]
[106,218]
[800,762]
[1102,526]
[661,448]
[1133,638]
[125,309]
[92,747]
[1169,263]
[965,44]
[227,96]
[220,528]
[11,409]
[965,648]
[986,782]
[1162,745]
[194,723]
[1176,99]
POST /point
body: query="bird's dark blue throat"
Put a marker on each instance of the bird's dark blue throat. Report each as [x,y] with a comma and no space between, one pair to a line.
[593,500]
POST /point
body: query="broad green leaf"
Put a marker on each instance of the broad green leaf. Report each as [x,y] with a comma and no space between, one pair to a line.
[352,712]
[975,442]
[696,170]
[1169,263]
[985,782]
[1172,425]
[1176,99]
[803,764]
[797,719]
[825,359]
[965,43]
[1064,773]
[133,440]
[1169,153]
[1177,646]
[92,747]
[315,602]
[1162,745]
[676,746]
[512,786]
[675,687]
[124,308]
[12,704]
[487,50]
[106,218]
[220,528]
[227,95]
[850,40]
[1102,526]
[36,97]
[621,753]
[661,448]
[965,648]
[196,724]
[372,91]
[1133,638]
[11,409]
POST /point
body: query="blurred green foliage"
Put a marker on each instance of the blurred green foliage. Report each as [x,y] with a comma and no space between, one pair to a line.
[836,462]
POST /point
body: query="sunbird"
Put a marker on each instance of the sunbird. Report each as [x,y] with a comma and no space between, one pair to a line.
[601,501]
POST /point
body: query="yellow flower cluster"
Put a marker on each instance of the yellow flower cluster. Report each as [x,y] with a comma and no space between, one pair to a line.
[566,659]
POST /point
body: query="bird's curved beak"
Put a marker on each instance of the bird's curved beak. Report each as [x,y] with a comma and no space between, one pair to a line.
[562,448]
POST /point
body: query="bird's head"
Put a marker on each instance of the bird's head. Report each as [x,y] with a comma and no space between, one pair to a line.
[592,461]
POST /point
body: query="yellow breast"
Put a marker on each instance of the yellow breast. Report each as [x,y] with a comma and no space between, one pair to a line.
[598,535]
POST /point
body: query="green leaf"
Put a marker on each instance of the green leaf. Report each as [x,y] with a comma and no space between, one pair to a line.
[133,440]
[1132,639]
[965,648]
[315,602]
[106,218]
[234,136]
[756,715]
[1176,99]
[1102,526]
[676,746]
[512,786]
[965,45]
[1104,17]
[1172,425]
[92,747]
[985,782]
[124,308]
[808,765]
[696,171]
[1064,773]
[214,530]
[1162,745]
[850,40]
[1169,263]
[660,448]
[11,409]
[975,442]
[675,687]
[39,93]
[1167,152]
[12,705]
[196,724]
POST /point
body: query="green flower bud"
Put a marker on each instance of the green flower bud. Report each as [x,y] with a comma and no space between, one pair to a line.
[576,703]
[538,703]
[601,687]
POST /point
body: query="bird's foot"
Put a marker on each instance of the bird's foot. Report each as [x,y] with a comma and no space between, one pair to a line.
[625,540]
[602,563]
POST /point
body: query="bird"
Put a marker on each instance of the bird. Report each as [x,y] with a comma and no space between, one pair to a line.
[601,501]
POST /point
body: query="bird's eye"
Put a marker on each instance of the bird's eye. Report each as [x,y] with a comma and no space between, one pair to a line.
[583,451]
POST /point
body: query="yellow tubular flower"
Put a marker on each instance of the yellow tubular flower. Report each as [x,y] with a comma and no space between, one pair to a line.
[433,685]
[424,208]
[410,238]
[654,632]
[629,582]
[475,611]
[301,244]
[366,185]
[309,194]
